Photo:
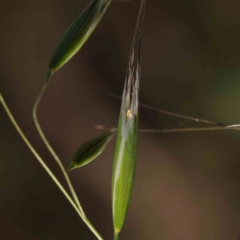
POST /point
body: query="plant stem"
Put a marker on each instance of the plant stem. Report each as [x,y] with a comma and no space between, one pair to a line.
[116,236]
[49,147]
[46,168]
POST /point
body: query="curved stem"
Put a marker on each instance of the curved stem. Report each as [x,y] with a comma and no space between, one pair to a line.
[49,147]
[50,173]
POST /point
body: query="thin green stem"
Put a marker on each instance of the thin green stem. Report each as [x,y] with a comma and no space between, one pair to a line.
[49,147]
[46,168]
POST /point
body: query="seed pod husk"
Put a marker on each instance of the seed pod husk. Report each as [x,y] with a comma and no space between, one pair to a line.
[78,33]
[126,145]
[91,149]
[125,152]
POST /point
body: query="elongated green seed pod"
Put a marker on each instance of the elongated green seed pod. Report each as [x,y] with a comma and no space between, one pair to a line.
[125,152]
[126,145]
[91,149]
[78,33]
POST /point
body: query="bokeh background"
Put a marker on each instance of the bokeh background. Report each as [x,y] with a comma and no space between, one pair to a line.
[187,184]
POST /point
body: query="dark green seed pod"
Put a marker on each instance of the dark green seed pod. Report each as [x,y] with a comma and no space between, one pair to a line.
[78,33]
[88,151]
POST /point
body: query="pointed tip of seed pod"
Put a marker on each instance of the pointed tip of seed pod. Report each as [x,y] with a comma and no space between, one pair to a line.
[72,166]
[49,75]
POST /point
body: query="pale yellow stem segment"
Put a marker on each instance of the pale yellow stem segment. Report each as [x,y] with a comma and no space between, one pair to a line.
[46,168]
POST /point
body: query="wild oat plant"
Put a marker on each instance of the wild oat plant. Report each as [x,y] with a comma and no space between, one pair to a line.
[127,130]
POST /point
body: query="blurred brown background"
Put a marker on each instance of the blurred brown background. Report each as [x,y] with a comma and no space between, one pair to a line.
[187,184]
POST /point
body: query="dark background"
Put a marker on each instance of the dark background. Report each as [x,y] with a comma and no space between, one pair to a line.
[187,184]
